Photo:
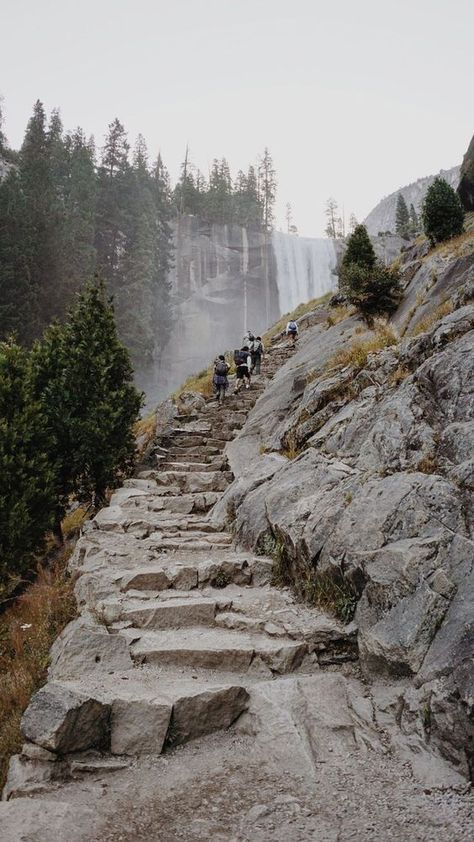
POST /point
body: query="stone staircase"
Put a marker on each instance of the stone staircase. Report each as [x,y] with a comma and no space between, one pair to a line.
[177,625]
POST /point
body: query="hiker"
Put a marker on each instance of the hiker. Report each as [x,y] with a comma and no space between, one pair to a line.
[243,362]
[257,351]
[219,379]
[248,339]
[292,332]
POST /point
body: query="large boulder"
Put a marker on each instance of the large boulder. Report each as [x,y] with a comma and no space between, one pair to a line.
[63,720]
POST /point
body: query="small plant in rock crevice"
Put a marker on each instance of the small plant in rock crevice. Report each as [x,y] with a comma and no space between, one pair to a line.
[331,592]
[221,579]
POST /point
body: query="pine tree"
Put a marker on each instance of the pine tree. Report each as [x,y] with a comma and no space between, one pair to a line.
[163,252]
[359,249]
[78,252]
[442,213]
[105,403]
[331,214]
[267,188]
[16,300]
[38,191]
[26,478]
[414,222]
[373,288]
[402,218]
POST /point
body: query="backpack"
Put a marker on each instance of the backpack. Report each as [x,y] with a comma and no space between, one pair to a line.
[221,368]
[257,347]
[240,357]
[292,326]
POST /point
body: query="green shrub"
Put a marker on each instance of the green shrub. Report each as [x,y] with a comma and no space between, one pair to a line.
[442,214]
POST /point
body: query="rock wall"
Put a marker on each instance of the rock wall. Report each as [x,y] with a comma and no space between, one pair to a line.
[382,217]
[380,493]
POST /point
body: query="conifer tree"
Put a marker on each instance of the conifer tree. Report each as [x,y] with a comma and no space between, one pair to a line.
[442,214]
[414,221]
[402,218]
[26,478]
[267,186]
[359,249]
[331,215]
[105,401]
[373,288]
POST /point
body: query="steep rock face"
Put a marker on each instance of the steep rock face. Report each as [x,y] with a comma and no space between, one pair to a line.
[380,494]
[466,184]
[382,217]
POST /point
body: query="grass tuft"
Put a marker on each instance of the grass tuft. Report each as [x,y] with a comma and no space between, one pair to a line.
[356,354]
[425,324]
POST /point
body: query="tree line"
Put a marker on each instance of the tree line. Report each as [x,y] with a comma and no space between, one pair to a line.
[67,408]
[247,200]
[68,211]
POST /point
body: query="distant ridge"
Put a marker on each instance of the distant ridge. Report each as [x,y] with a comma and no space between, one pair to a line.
[382,217]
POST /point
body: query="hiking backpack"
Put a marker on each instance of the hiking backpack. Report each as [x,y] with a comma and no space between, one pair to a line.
[240,357]
[292,326]
[221,368]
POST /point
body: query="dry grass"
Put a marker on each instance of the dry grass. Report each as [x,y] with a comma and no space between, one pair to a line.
[428,465]
[339,314]
[296,314]
[425,324]
[201,382]
[291,449]
[356,354]
[27,631]
[399,375]
[71,525]
[459,246]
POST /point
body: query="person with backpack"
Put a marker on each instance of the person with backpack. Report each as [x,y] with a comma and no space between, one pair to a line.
[248,339]
[243,363]
[219,378]
[257,351]
[292,332]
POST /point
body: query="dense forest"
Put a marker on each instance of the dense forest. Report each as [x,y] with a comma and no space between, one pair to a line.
[68,211]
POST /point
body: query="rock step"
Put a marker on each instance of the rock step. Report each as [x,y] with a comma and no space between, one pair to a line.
[213,649]
[199,452]
[129,716]
[194,482]
[202,570]
[183,466]
[156,614]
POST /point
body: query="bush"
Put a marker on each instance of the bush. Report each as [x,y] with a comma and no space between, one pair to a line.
[442,213]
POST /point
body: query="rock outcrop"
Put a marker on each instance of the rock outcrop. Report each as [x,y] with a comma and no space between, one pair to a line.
[466,183]
[382,217]
[197,697]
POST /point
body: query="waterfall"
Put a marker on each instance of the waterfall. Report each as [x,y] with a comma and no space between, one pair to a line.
[305,268]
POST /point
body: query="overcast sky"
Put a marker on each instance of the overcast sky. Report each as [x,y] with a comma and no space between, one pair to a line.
[354,98]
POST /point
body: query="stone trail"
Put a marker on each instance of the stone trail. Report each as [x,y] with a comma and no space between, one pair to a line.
[181,634]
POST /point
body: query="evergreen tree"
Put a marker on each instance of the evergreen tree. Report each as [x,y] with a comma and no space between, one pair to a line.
[442,213]
[105,403]
[112,216]
[38,191]
[402,218]
[331,214]
[359,249]
[218,200]
[267,189]
[414,222]
[373,288]
[163,252]
[16,303]
[189,193]
[78,253]
[26,477]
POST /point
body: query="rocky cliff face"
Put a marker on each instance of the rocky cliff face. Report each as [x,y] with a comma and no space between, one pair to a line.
[378,494]
[382,217]
[466,184]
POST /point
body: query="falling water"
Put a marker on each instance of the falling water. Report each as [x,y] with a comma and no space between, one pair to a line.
[305,269]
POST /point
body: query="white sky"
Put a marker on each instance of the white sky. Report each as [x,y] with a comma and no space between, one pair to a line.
[354,98]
